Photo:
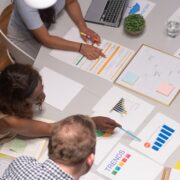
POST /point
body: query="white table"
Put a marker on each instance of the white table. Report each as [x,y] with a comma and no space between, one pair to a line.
[95,87]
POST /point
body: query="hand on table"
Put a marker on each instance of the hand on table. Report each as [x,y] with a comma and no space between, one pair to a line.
[91,52]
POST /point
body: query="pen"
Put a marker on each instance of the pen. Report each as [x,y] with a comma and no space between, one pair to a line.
[89,37]
[130,134]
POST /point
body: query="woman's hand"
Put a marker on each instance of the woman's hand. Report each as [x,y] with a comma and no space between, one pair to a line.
[89,35]
[105,123]
[91,52]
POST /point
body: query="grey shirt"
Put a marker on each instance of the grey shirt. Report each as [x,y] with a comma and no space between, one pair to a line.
[22,21]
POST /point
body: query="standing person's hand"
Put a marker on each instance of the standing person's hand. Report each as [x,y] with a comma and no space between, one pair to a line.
[89,35]
[105,123]
[91,52]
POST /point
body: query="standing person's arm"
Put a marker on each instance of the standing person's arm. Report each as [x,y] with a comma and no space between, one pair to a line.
[74,11]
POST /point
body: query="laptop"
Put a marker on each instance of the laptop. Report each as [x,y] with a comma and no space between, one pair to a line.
[106,12]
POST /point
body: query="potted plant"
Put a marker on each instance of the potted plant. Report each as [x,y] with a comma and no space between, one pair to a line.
[134,24]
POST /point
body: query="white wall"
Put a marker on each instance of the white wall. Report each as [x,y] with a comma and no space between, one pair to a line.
[3,4]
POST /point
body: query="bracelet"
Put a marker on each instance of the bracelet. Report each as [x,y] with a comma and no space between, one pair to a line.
[80,47]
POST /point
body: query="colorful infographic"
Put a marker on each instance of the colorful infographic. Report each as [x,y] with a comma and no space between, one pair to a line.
[123,107]
[124,163]
[159,138]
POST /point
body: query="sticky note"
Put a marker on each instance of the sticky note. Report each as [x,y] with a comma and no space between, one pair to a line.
[18,145]
[178,165]
[130,78]
[165,89]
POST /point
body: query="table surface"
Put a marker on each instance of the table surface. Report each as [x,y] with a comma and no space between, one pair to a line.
[95,87]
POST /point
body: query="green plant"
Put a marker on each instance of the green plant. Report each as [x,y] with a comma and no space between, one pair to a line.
[134,23]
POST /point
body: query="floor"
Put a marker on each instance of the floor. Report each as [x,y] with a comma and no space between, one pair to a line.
[4,19]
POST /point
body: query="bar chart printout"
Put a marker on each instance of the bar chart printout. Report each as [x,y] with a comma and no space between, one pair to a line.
[159,138]
[162,138]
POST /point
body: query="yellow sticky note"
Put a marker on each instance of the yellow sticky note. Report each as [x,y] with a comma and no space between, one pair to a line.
[178,165]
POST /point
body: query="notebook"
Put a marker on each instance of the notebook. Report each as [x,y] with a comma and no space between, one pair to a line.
[106,12]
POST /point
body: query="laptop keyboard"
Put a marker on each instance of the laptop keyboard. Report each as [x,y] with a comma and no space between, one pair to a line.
[112,10]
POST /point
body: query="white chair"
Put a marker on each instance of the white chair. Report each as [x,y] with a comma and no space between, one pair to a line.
[15,54]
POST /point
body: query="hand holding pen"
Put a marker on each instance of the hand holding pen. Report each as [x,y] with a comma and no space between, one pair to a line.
[90,51]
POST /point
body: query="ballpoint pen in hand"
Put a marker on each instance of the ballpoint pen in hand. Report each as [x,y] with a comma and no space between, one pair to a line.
[130,134]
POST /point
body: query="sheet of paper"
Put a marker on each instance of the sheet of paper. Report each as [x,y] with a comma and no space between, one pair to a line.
[91,176]
[124,163]
[160,138]
[139,7]
[59,89]
[153,68]
[117,57]
[130,78]
[29,147]
[165,88]
[124,108]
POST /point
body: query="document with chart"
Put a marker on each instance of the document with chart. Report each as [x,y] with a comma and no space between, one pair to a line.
[127,109]
[126,164]
[117,57]
[20,146]
[160,138]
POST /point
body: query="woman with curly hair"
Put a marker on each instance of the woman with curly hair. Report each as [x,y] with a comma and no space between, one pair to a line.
[21,88]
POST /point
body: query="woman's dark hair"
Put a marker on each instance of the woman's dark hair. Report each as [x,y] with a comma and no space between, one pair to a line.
[47,15]
[17,83]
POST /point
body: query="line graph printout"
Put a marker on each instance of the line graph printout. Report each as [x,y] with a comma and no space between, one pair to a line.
[124,108]
[124,163]
[160,138]
[117,57]
[152,73]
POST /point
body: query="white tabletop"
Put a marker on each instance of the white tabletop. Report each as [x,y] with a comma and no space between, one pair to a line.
[95,87]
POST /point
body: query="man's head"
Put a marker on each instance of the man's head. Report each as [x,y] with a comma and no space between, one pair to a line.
[73,141]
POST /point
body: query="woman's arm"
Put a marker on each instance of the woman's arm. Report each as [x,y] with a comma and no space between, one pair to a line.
[25,127]
[55,42]
[74,11]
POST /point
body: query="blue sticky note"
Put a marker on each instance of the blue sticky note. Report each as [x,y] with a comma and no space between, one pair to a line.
[130,78]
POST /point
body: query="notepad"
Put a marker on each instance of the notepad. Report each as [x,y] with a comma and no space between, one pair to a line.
[165,89]
[130,78]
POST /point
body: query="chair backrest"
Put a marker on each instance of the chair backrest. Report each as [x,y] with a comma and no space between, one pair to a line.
[18,55]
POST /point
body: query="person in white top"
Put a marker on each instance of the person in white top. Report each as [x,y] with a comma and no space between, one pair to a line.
[28,29]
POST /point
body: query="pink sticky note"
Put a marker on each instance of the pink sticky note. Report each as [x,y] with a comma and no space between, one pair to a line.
[165,89]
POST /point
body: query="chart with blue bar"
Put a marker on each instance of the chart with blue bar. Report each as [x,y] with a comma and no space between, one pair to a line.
[163,136]
[160,138]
